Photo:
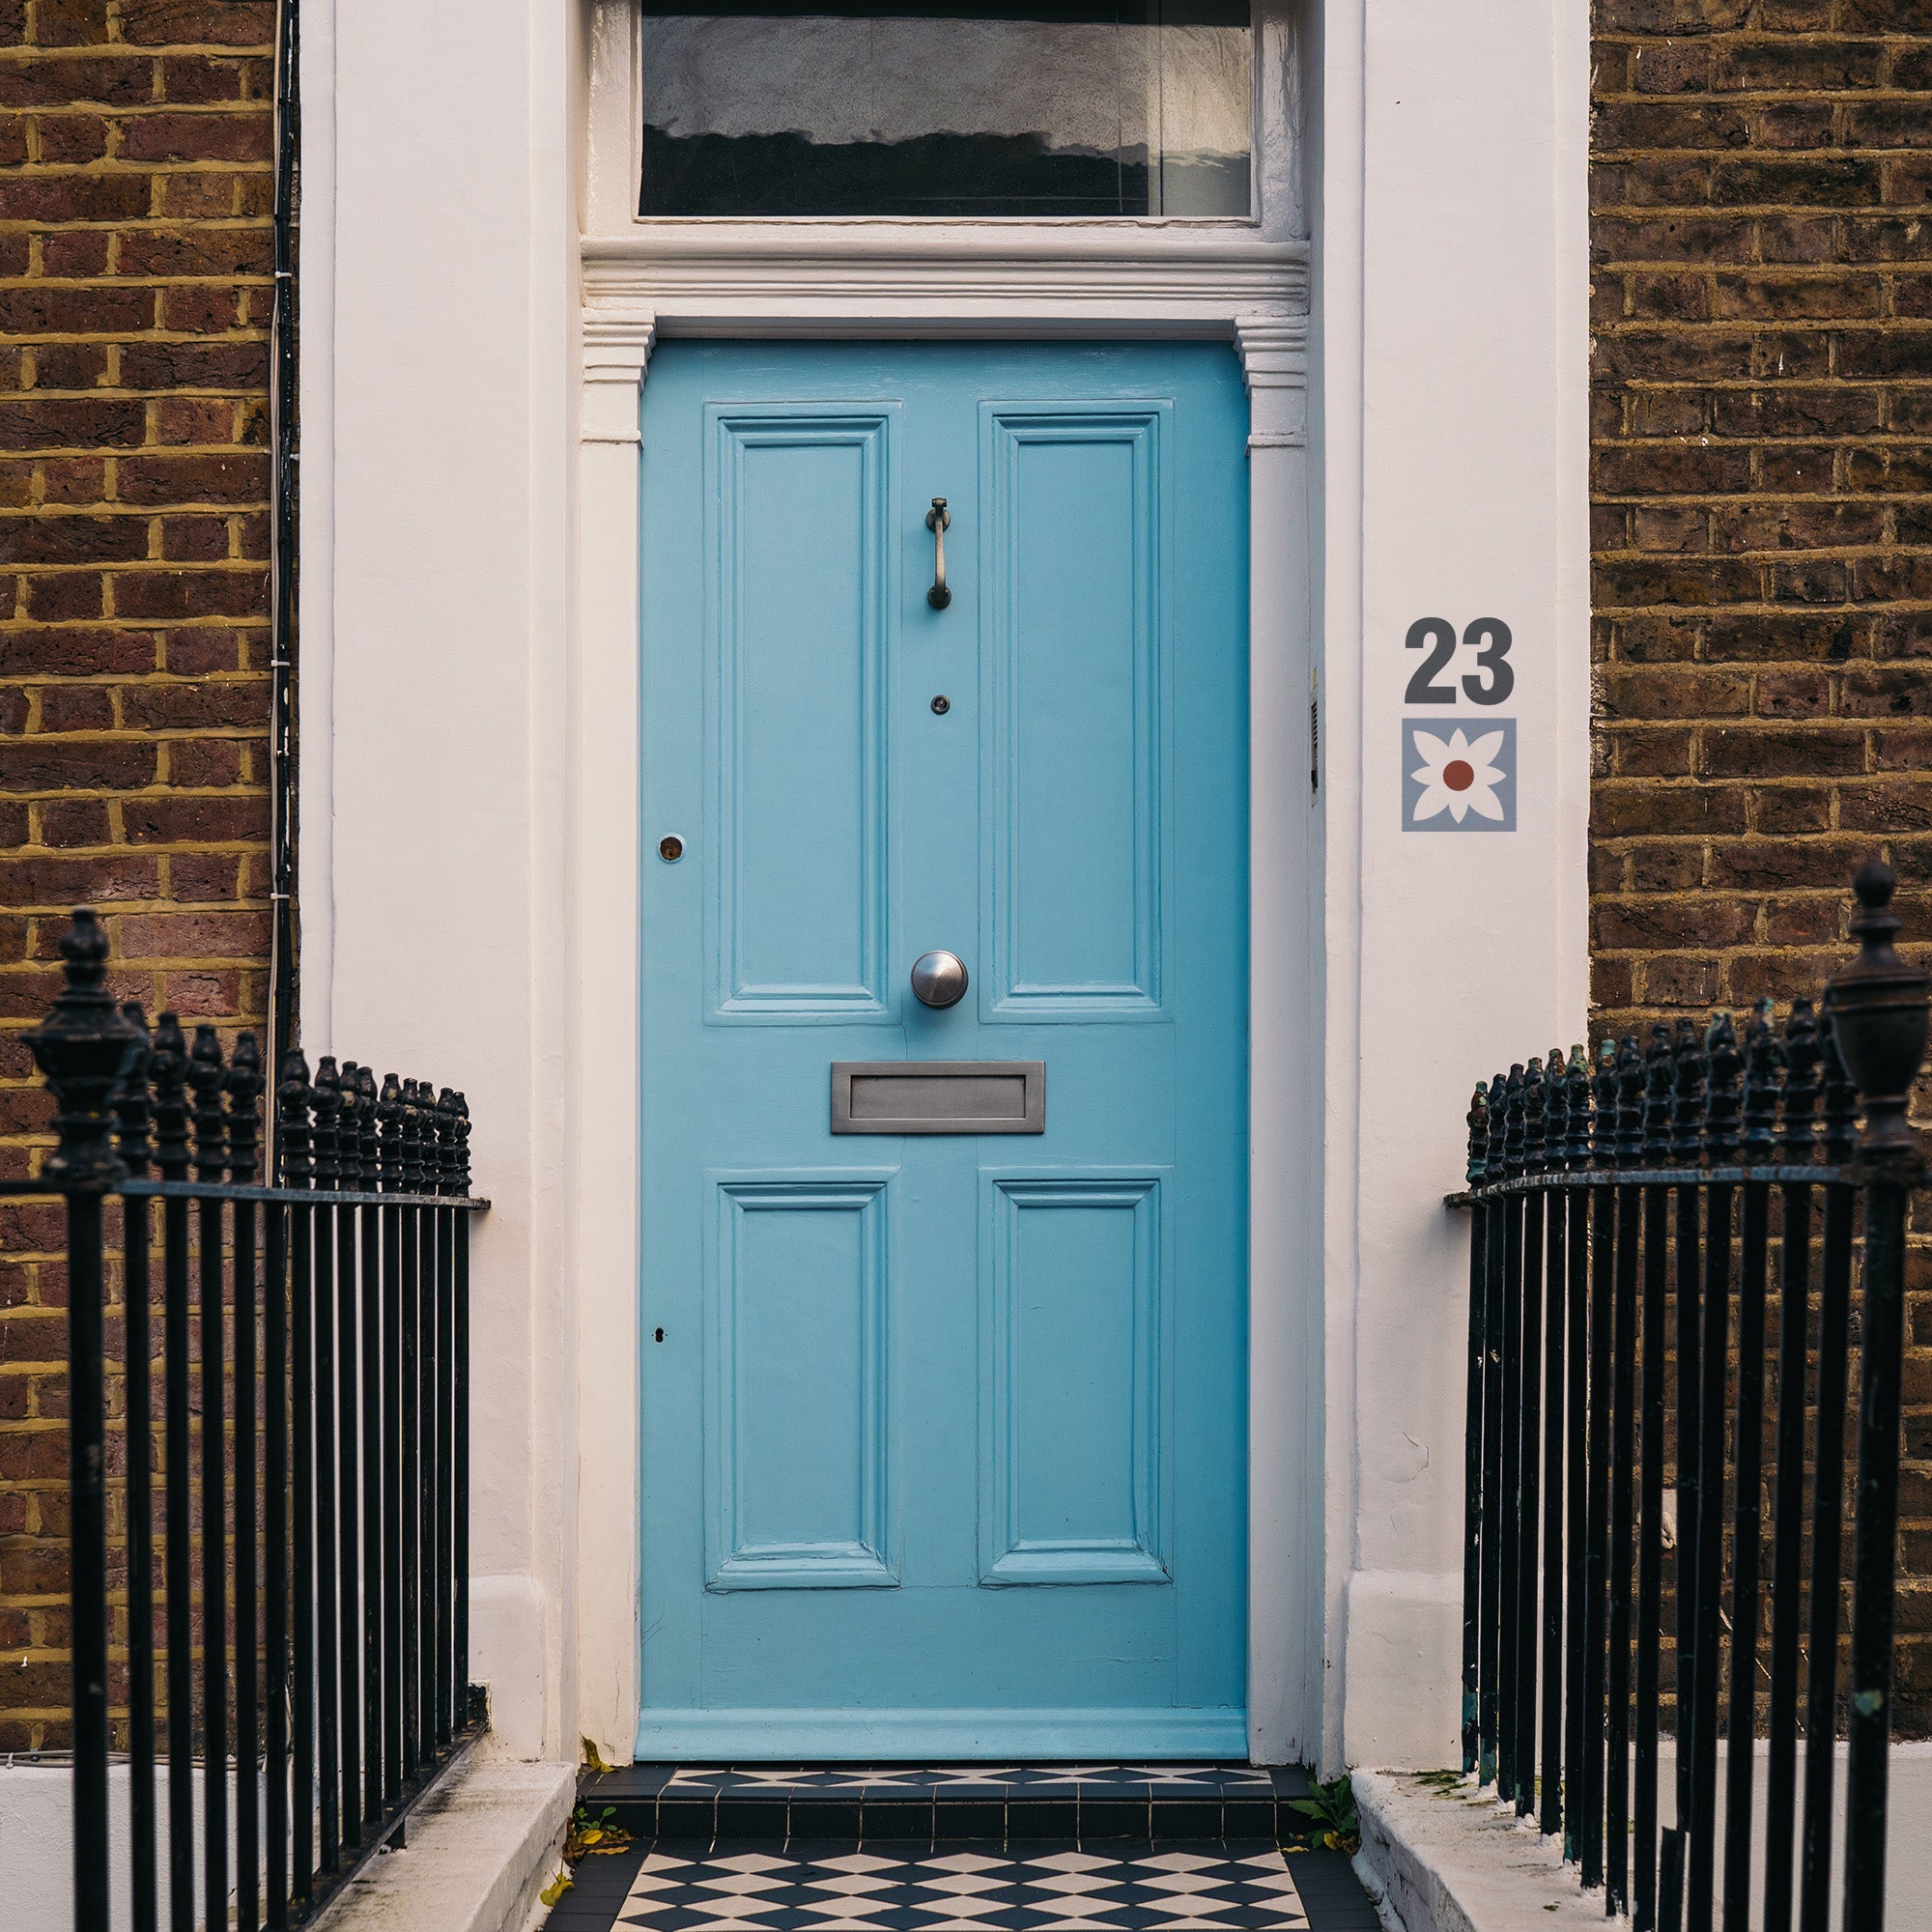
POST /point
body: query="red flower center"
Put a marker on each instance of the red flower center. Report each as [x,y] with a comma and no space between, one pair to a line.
[1459,775]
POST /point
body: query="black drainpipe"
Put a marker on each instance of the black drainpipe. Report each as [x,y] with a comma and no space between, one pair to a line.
[285,436]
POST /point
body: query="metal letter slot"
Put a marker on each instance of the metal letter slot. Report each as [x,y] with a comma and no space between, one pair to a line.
[939,1096]
[938,520]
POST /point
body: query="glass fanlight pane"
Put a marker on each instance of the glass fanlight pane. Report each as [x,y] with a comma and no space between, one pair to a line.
[754,107]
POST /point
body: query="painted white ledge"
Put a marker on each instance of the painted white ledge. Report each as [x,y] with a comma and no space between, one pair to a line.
[481,1847]
[949,279]
[1454,1860]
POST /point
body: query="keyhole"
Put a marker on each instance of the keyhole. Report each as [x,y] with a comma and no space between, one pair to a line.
[658,1335]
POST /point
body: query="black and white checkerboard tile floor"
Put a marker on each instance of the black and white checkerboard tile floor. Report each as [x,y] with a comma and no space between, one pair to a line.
[796,1887]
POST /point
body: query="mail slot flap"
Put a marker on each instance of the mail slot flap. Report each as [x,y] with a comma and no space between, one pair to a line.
[938,1096]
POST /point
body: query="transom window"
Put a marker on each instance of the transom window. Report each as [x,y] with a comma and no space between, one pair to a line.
[888,107]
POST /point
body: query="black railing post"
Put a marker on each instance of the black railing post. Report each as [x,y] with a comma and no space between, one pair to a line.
[84,1047]
[1555,1198]
[1763,1065]
[243,1087]
[1795,1146]
[348,1631]
[1630,1082]
[1492,1441]
[1529,1456]
[292,1153]
[1577,1407]
[1878,1006]
[1657,1078]
[205,1075]
[133,1118]
[1828,1486]
[168,1061]
[1687,1147]
[459,1395]
[1509,1496]
[1596,1556]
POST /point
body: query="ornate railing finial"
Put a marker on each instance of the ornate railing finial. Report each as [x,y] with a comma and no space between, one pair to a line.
[1801,1058]
[1764,1067]
[243,1085]
[1478,1118]
[84,1046]
[1555,1113]
[1659,1073]
[133,1117]
[1629,1102]
[294,1099]
[168,1061]
[1577,1084]
[1878,1006]
[205,1074]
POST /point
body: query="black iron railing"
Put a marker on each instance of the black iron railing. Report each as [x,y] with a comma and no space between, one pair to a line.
[296,1634]
[1625,1223]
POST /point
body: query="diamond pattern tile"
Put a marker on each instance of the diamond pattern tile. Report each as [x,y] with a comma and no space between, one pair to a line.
[1239,1887]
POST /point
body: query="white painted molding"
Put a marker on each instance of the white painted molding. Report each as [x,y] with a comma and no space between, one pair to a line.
[852,278]
[616,351]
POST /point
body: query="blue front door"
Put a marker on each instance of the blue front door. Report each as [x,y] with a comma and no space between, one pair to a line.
[944,1428]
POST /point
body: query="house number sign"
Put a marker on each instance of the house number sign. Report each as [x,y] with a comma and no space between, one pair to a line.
[1461,778]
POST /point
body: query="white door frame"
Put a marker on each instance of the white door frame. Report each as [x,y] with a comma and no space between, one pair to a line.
[1244,282]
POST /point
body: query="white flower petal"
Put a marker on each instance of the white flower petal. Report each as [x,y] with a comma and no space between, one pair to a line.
[1458,805]
[1431,803]
[1484,801]
[1458,745]
[1485,747]
[1431,748]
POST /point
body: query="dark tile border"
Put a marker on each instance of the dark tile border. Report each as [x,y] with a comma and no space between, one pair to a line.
[953,1804]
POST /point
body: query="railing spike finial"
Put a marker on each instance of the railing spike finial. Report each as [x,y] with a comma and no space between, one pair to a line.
[1478,1120]
[1840,1099]
[205,1074]
[1556,1112]
[1629,1102]
[1532,1116]
[1687,1139]
[412,1138]
[328,1118]
[1720,1114]
[1660,1071]
[462,1144]
[244,1087]
[84,1046]
[1498,1100]
[1801,1058]
[1604,1091]
[167,1063]
[1879,1010]
[368,1153]
[295,1097]
[132,1114]
[1764,1068]
[445,1143]
[1514,1123]
[389,1118]
[1576,1086]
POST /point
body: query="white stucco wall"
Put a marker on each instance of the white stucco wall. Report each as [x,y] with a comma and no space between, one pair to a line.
[440,844]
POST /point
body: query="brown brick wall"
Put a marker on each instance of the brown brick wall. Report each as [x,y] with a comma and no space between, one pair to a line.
[1761,411]
[135,197]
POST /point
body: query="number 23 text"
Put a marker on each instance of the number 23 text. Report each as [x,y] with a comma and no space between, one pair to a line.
[1493,679]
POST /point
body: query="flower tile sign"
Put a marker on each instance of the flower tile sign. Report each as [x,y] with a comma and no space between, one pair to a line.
[1459,777]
